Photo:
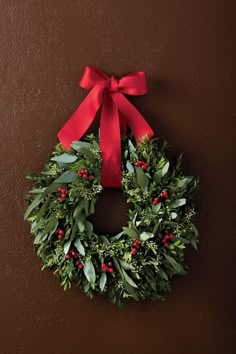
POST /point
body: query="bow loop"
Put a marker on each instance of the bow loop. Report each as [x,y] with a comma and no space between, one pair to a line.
[117,113]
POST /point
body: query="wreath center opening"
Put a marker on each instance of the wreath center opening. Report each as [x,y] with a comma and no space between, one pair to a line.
[111,212]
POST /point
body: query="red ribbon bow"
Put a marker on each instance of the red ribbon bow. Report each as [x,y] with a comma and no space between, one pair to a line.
[117,112]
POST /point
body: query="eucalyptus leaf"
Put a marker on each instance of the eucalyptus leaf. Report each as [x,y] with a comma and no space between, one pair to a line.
[178,202]
[79,247]
[67,177]
[89,271]
[130,167]
[157,176]
[131,232]
[128,279]
[67,247]
[175,265]
[89,228]
[173,215]
[146,236]
[142,179]
[37,200]
[102,281]
[117,237]
[165,169]
[126,265]
[65,158]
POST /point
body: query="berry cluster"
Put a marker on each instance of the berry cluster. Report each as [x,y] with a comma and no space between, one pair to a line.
[84,174]
[136,245]
[107,267]
[64,193]
[75,255]
[163,195]
[167,237]
[60,233]
[142,164]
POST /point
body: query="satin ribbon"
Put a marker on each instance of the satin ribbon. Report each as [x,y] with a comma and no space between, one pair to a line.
[117,112]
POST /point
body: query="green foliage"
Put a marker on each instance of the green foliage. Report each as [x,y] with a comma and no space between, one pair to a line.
[147,273]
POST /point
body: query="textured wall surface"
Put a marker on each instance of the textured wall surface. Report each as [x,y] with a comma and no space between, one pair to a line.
[185,47]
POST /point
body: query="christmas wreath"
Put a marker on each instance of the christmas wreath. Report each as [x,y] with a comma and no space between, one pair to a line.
[139,262]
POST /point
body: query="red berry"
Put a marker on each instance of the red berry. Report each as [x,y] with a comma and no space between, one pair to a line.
[59,237]
[110,264]
[73,253]
[110,270]
[155,201]
[59,189]
[68,256]
[81,266]
[164,194]
[77,263]
[67,192]
[85,175]
[133,251]
[166,244]
[166,231]
[91,177]
[59,199]
[171,236]
[63,195]
[61,232]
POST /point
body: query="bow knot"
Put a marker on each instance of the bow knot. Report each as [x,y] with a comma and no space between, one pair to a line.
[113,84]
[117,112]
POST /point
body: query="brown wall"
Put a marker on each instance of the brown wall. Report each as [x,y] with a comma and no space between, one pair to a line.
[185,47]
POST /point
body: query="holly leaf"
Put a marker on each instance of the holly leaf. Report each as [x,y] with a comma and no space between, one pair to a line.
[89,271]
[102,281]
[65,158]
[67,177]
[79,247]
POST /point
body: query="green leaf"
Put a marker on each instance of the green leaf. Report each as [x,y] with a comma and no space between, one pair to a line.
[131,232]
[126,265]
[65,158]
[89,271]
[102,281]
[67,177]
[163,274]
[37,190]
[178,202]
[142,179]
[67,247]
[43,208]
[157,176]
[89,228]
[81,225]
[79,208]
[78,145]
[175,265]
[146,235]
[156,208]
[117,237]
[130,167]
[173,215]
[92,207]
[51,224]
[33,205]
[165,169]
[128,279]
[79,247]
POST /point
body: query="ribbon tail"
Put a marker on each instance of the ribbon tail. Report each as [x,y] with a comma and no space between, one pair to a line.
[137,123]
[110,144]
[82,118]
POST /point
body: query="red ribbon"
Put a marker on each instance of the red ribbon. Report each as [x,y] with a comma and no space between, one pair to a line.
[117,113]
